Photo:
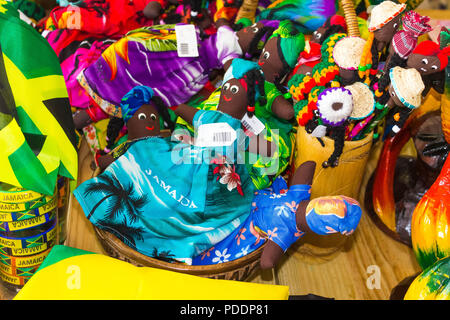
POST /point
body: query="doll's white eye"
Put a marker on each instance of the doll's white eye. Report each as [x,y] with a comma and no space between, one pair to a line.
[308,73]
[153,116]
[395,25]
[255,29]
[234,89]
[434,67]
[253,25]
[266,55]
[142,116]
[317,35]
[393,93]
[425,61]
[226,86]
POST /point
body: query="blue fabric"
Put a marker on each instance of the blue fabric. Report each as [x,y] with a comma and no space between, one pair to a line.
[272,217]
[134,99]
[177,210]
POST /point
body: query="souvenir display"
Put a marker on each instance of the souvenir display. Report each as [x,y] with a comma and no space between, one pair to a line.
[220,139]
[28,230]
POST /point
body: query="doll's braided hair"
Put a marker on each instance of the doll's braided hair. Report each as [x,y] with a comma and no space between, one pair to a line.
[255,81]
[116,124]
[284,71]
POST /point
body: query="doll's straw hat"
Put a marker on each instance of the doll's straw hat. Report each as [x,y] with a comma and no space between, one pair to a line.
[383,13]
[348,51]
[363,100]
[408,86]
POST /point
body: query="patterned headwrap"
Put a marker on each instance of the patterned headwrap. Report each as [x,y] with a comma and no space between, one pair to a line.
[134,99]
[414,25]
[292,42]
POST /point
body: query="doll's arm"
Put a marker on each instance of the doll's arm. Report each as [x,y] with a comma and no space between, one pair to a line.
[104,161]
[261,146]
[186,112]
[282,108]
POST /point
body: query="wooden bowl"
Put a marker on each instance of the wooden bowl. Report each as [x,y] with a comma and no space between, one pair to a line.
[240,269]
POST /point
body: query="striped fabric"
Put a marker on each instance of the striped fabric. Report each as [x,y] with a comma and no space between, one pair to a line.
[414,25]
[37,135]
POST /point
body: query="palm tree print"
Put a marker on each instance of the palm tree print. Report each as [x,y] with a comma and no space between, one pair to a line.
[126,233]
[122,199]
[163,255]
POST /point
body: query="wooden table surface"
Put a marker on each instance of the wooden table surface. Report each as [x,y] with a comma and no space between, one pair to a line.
[347,272]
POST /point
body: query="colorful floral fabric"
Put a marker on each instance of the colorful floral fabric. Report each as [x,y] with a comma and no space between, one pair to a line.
[149,57]
[76,51]
[112,18]
[272,217]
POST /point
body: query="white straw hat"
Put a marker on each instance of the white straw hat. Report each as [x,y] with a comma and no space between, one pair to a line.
[408,86]
[383,13]
[347,52]
[363,100]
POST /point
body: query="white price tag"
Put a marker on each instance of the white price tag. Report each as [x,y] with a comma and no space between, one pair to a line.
[253,124]
[320,131]
[186,40]
[215,135]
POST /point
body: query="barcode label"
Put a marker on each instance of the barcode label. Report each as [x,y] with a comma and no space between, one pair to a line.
[215,135]
[222,137]
[184,48]
[253,124]
[186,40]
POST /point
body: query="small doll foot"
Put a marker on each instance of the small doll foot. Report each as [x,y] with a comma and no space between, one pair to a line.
[330,163]
[334,214]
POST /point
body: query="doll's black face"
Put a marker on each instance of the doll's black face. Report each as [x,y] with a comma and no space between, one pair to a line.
[386,33]
[394,100]
[270,61]
[247,34]
[318,35]
[424,64]
[233,99]
[304,69]
[348,76]
[144,123]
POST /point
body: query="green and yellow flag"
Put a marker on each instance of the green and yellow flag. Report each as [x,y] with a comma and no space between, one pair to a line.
[37,134]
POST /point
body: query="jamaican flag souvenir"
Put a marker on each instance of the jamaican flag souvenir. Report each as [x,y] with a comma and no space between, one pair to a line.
[6,227]
[28,232]
[23,262]
[13,194]
[18,272]
[28,245]
[14,280]
[37,134]
[29,210]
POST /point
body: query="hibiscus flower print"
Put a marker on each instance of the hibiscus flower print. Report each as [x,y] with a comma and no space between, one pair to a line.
[221,256]
[207,253]
[282,210]
[272,233]
[292,205]
[278,195]
[231,179]
[240,236]
[243,252]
